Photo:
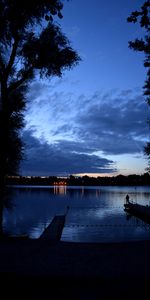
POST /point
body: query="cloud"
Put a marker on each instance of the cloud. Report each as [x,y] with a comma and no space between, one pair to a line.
[116,124]
[73,132]
[60,158]
[48,108]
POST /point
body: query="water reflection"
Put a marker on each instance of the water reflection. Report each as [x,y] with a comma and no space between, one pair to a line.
[60,190]
[96,214]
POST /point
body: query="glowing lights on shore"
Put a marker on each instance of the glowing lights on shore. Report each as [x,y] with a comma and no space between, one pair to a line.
[60,183]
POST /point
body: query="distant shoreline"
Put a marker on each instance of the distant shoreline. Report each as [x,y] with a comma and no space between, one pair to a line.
[120,180]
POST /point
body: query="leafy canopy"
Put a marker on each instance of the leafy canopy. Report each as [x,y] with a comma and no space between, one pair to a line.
[31,43]
[143,45]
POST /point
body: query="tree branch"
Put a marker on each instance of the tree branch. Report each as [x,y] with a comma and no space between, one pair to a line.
[12,57]
[2,65]
[19,82]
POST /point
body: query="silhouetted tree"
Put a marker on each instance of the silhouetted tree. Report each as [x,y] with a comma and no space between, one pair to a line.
[31,44]
[143,45]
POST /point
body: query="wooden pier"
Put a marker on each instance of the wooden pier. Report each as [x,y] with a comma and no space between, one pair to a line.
[54,230]
[138,210]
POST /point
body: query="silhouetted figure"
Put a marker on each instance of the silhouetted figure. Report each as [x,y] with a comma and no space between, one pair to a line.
[127,199]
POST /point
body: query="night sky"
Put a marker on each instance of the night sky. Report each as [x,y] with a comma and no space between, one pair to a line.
[93,120]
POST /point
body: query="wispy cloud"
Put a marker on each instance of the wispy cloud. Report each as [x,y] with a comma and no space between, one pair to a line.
[73,133]
[116,123]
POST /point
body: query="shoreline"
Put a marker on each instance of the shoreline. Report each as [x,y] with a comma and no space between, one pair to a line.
[81,269]
[44,253]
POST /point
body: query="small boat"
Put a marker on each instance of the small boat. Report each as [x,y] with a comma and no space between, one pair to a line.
[138,210]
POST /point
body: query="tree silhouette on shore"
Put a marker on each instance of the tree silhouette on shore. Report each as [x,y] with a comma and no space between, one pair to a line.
[31,45]
[143,45]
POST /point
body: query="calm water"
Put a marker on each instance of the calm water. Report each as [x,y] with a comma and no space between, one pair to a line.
[96,214]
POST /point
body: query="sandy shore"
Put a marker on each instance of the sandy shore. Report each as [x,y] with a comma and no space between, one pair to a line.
[76,270]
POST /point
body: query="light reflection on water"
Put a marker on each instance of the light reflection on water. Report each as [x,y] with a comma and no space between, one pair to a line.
[96,214]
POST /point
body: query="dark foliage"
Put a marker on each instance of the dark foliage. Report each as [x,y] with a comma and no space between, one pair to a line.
[143,45]
[30,44]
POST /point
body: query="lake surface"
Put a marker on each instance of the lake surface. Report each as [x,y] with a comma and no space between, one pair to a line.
[96,214]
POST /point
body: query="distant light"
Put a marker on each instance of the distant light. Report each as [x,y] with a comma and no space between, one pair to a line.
[60,183]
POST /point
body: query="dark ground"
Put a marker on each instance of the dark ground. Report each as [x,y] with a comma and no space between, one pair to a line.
[39,268]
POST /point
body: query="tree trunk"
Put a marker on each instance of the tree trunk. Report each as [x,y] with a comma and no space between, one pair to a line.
[1,214]
[4,125]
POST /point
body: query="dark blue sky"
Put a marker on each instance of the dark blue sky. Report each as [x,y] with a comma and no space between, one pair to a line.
[93,119]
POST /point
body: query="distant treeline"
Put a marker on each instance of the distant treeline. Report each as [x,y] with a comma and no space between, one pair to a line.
[132,180]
